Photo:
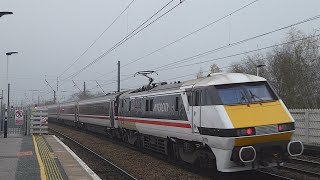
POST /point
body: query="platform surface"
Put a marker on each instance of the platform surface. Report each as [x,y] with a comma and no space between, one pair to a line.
[40,157]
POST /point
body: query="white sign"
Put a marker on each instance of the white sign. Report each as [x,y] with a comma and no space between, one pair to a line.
[44,120]
[19,117]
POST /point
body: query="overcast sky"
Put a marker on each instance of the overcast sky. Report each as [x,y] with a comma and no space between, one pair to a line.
[51,35]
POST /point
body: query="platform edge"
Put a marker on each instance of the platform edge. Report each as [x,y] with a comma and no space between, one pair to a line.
[83,164]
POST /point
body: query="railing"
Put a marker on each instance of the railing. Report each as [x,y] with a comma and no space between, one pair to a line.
[307,123]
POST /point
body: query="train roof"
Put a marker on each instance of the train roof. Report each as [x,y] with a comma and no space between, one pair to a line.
[223,78]
[211,79]
[86,101]
[99,99]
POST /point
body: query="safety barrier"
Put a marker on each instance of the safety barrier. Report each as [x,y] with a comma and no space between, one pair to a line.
[307,122]
[39,121]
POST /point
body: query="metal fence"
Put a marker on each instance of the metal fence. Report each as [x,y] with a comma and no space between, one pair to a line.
[307,123]
[12,127]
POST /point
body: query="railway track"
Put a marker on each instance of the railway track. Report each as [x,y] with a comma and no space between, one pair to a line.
[304,166]
[273,175]
[105,169]
[255,174]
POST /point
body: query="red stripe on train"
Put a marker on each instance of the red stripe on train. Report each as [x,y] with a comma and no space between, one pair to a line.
[160,123]
[94,117]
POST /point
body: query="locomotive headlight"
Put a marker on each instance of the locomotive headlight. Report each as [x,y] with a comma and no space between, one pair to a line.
[285,127]
[246,131]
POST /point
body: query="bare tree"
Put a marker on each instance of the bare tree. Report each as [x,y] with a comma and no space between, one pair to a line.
[214,68]
[81,96]
[200,74]
[249,65]
[292,69]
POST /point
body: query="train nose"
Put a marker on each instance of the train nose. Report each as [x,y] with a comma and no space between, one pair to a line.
[247,154]
[295,148]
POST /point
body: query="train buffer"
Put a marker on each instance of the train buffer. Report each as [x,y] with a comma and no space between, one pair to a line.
[42,157]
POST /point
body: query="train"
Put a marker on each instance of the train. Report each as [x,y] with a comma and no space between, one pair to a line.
[226,122]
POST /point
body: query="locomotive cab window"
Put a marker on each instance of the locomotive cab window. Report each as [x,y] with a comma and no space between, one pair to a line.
[245,93]
[197,98]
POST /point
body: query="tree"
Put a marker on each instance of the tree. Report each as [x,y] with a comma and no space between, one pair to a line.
[200,74]
[249,65]
[49,102]
[292,69]
[81,96]
[214,68]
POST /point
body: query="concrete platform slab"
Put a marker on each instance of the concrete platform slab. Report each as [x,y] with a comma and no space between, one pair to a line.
[40,157]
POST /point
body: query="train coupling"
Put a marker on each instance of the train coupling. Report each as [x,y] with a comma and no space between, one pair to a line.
[295,148]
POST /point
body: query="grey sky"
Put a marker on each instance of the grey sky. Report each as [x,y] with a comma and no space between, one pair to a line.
[49,35]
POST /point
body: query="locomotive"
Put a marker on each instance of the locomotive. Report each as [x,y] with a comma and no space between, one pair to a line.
[226,121]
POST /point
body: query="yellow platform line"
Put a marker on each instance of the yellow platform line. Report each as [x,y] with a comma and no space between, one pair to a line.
[42,171]
[52,169]
[50,166]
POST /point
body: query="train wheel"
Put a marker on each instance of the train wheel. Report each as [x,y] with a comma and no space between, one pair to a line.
[124,136]
[173,150]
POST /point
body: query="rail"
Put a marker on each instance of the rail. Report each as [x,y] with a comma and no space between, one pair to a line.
[303,166]
[277,176]
[115,171]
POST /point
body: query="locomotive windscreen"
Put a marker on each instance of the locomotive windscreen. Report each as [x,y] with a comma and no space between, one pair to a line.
[245,93]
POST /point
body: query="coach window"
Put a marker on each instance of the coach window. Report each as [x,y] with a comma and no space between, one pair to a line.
[147,104]
[151,105]
[129,105]
[122,103]
[176,108]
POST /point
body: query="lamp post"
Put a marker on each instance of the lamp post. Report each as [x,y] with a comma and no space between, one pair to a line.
[258,67]
[2,13]
[1,113]
[8,103]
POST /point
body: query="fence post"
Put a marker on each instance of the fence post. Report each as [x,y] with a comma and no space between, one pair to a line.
[306,117]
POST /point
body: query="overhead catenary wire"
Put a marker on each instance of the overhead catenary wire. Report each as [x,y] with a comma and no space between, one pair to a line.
[129,36]
[233,55]
[177,77]
[231,45]
[236,43]
[185,36]
[241,53]
[238,54]
[83,53]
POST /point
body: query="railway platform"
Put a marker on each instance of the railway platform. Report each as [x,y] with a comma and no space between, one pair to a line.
[40,157]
